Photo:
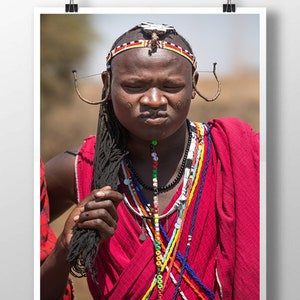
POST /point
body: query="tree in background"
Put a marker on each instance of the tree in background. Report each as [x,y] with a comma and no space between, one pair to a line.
[66,40]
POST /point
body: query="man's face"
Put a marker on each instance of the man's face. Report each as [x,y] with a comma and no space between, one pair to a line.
[151,95]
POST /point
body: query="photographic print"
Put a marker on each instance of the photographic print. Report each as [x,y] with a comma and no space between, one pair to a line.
[151,135]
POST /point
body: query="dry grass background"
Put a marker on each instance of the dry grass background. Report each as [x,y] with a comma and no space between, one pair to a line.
[69,124]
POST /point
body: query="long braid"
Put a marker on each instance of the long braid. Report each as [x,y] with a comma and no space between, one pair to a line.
[110,148]
[109,153]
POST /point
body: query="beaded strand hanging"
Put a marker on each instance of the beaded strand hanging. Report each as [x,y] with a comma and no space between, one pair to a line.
[157,238]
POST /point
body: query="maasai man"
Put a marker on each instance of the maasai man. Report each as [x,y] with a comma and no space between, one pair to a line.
[170,207]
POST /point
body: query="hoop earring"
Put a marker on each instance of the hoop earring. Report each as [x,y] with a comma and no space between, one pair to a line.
[104,95]
[218,90]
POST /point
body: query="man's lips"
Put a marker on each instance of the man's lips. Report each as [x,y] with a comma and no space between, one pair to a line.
[153,115]
[154,118]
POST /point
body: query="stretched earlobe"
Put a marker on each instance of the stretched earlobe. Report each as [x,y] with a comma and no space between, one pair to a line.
[105,76]
[106,85]
[193,94]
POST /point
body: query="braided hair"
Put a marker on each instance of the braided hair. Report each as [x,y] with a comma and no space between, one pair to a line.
[109,153]
[110,149]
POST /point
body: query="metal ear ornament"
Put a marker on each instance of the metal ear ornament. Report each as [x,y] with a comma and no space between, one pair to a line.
[218,89]
[105,94]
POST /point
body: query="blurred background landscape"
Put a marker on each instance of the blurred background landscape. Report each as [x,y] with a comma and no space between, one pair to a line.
[82,41]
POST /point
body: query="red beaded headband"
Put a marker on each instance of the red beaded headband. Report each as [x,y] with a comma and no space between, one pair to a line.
[146,44]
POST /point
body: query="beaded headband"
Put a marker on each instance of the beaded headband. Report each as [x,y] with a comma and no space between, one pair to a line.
[146,44]
[154,31]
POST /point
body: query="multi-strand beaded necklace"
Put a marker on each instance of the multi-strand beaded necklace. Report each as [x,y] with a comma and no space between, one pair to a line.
[194,173]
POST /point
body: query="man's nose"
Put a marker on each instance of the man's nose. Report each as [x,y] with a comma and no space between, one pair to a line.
[154,98]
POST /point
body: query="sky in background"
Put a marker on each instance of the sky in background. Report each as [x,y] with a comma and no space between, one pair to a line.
[231,40]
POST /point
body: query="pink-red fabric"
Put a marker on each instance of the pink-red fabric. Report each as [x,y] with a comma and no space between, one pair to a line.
[224,251]
[47,235]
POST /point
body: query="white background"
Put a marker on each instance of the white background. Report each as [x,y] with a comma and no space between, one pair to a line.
[16,150]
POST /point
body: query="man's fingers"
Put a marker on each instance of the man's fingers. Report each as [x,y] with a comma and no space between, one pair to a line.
[114,196]
[107,213]
[99,211]
[105,230]
[95,195]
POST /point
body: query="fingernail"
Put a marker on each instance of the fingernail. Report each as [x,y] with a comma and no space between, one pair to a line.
[76,218]
[100,194]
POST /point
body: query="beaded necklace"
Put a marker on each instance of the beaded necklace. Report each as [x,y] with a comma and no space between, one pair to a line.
[134,189]
[150,230]
[184,263]
[179,204]
[170,185]
[157,237]
[173,243]
[165,257]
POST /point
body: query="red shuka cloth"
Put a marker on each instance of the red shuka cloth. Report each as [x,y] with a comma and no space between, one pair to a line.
[47,236]
[224,251]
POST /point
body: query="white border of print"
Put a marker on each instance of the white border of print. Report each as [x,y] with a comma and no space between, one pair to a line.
[153,10]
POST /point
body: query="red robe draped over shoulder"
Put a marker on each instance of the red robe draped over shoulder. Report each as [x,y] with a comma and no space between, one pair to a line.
[224,252]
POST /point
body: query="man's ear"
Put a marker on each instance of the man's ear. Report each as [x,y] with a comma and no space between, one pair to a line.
[105,79]
[195,81]
[105,75]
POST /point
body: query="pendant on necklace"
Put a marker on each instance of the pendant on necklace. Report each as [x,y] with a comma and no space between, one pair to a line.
[126,181]
[143,236]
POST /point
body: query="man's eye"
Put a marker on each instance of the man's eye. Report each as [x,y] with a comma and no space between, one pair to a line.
[172,88]
[133,88]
